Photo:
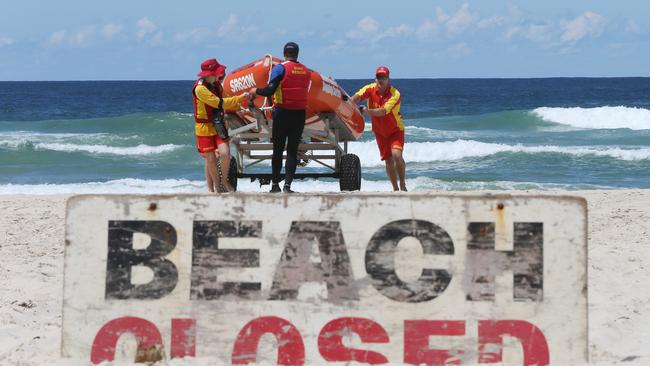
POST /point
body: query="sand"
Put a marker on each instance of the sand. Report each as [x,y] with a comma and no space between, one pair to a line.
[31,278]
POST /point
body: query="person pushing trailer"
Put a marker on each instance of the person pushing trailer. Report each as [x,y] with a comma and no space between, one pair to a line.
[331,121]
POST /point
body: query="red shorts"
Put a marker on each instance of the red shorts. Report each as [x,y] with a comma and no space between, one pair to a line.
[208,143]
[388,143]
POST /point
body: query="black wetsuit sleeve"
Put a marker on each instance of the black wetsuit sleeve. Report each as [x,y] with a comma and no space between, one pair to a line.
[271,88]
[268,90]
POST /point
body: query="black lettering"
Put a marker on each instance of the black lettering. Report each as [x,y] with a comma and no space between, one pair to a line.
[207,258]
[122,257]
[526,261]
[380,260]
[295,267]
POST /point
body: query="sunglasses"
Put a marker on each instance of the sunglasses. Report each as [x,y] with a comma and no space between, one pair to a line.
[382,77]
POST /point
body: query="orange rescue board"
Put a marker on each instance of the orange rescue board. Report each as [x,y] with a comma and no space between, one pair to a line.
[325,96]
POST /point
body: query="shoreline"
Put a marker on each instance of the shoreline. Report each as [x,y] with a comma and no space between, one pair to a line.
[31,275]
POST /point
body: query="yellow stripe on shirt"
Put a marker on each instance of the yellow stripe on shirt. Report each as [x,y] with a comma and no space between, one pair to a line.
[205,96]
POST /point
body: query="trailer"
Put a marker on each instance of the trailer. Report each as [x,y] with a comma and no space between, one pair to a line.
[332,121]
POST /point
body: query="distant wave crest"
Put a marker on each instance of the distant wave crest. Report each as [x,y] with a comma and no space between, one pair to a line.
[597,118]
[422,152]
[110,150]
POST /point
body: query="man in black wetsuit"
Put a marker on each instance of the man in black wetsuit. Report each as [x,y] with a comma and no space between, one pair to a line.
[289,86]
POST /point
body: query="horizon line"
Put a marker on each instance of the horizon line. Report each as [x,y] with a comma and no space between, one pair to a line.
[356,78]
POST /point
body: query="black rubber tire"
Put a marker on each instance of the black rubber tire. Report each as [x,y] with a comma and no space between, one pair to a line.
[350,173]
[232,173]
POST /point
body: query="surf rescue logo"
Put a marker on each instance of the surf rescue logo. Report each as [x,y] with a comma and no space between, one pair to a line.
[242,83]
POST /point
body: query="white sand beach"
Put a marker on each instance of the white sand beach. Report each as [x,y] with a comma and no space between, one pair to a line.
[31,278]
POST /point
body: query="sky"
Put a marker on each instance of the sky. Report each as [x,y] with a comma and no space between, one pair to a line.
[167,40]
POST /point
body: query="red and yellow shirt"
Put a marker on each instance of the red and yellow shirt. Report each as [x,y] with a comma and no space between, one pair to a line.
[207,99]
[391,101]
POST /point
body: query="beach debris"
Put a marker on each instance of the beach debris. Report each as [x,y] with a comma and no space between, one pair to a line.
[630,358]
[27,305]
[151,355]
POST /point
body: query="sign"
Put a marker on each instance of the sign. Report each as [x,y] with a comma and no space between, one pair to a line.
[310,279]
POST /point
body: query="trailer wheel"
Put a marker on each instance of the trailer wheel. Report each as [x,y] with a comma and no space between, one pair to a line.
[232,173]
[350,169]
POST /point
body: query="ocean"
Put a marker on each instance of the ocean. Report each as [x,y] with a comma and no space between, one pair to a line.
[461,134]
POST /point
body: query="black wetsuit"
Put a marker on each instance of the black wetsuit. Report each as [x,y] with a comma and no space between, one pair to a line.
[288,125]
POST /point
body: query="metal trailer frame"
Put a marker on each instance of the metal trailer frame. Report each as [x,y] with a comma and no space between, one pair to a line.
[253,144]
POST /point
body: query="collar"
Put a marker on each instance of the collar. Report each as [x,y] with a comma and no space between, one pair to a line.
[385,92]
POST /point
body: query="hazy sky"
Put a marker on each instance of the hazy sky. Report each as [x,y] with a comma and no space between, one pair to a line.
[167,40]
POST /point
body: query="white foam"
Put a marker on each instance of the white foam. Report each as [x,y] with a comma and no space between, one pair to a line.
[424,132]
[420,131]
[422,152]
[21,139]
[16,139]
[175,186]
[600,117]
[126,185]
[617,153]
[110,150]
[72,142]
[181,114]
[31,134]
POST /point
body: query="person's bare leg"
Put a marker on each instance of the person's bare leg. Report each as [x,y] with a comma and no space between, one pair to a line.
[400,167]
[208,179]
[224,156]
[391,172]
[211,167]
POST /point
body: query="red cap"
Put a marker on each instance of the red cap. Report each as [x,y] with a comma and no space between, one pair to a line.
[212,67]
[382,70]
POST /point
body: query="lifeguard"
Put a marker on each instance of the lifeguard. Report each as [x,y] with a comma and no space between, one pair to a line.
[384,102]
[209,103]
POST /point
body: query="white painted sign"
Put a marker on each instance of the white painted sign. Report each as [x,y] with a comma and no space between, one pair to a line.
[310,279]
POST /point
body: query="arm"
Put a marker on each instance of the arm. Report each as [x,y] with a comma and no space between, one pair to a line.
[355,99]
[375,112]
[388,107]
[207,97]
[363,94]
[276,77]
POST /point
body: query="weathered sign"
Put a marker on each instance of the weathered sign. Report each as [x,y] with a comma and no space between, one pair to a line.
[310,279]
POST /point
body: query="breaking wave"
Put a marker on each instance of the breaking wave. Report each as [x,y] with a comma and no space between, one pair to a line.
[597,118]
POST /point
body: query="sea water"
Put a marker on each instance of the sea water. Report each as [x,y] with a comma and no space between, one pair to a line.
[461,134]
